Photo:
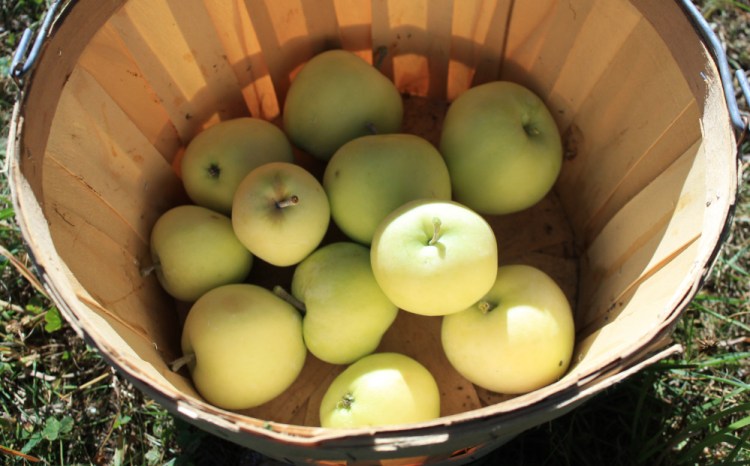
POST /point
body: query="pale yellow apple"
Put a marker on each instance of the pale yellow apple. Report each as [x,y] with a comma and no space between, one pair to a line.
[219,157]
[369,177]
[247,345]
[434,257]
[502,147]
[381,389]
[194,249]
[519,337]
[346,312]
[280,213]
[336,97]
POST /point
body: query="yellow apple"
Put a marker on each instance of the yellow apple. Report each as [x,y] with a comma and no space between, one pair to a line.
[246,345]
[517,338]
[219,157]
[336,97]
[280,213]
[434,257]
[502,147]
[346,312]
[369,177]
[194,249]
[378,390]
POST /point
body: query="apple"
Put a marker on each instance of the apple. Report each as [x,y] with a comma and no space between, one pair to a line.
[219,157]
[434,257]
[243,345]
[280,212]
[378,390]
[194,249]
[346,312]
[336,97]
[502,147]
[370,176]
[519,337]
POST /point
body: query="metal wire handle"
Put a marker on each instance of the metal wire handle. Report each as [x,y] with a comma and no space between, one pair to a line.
[716,49]
[24,59]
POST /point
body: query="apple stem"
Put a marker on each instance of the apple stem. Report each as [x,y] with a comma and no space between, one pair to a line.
[289,201]
[288,297]
[485,306]
[178,363]
[436,232]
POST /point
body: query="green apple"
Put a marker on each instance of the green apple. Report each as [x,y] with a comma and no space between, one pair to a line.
[280,213]
[381,389]
[243,345]
[194,249]
[219,157]
[346,312]
[502,147]
[370,176]
[336,97]
[519,337]
[434,257]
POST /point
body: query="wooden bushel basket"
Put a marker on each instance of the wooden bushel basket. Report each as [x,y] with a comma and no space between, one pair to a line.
[632,226]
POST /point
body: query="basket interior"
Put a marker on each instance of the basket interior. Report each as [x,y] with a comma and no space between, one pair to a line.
[628,230]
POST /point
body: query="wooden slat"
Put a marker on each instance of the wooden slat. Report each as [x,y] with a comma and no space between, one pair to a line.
[57,61]
[290,33]
[239,42]
[602,34]
[108,60]
[477,43]
[98,143]
[416,35]
[354,18]
[663,219]
[183,60]
[535,57]
[636,316]
[632,106]
[681,134]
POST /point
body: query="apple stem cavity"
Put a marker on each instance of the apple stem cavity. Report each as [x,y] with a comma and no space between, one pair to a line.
[531,130]
[371,127]
[288,202]
[289,298]
[214,170]
[178,363]
[436,223]
[485,306]
[346,401]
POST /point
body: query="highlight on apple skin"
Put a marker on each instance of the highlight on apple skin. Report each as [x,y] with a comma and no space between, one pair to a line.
[517,338]
[434,257]
[378,390]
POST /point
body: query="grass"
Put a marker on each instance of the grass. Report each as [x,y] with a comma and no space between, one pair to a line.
[60,403]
